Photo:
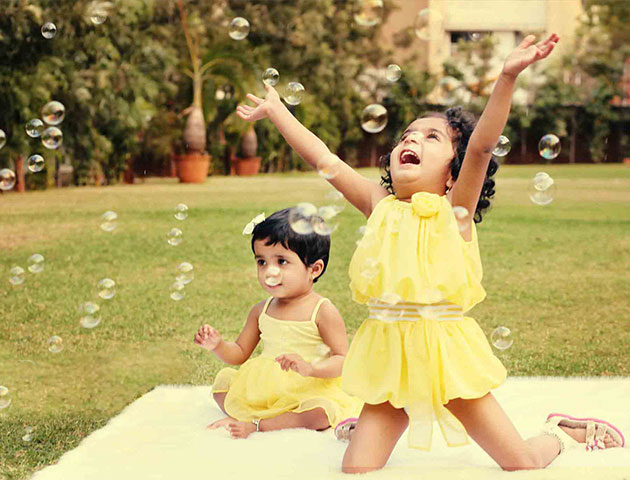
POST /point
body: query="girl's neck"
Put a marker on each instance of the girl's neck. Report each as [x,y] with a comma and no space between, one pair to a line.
[296,300]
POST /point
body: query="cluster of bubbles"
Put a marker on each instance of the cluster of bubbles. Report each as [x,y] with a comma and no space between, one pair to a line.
[542,189]
[51,136]
[183,276]
[34,264]
[96,12]
[306,218]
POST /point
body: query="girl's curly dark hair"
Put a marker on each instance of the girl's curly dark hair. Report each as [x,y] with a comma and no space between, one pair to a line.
[462,123]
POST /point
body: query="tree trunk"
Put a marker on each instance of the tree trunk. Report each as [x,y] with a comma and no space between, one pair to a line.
[195,132]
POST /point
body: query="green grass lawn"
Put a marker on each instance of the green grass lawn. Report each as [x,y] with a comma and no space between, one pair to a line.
[558,276]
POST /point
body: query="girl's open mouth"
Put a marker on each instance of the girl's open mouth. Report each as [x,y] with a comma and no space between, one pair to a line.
[409,157]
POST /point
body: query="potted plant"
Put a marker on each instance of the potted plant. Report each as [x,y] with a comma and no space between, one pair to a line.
[248,163]
[222,62]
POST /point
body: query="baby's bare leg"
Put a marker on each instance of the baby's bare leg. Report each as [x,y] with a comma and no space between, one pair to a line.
[315,419]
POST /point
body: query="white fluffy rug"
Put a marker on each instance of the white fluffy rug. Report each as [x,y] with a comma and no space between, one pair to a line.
[163,436]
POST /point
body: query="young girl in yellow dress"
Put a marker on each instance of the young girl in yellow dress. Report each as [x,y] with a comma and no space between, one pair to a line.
[295,381]
[417,358]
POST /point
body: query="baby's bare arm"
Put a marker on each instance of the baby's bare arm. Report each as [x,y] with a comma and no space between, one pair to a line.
[333,331]
[236,353]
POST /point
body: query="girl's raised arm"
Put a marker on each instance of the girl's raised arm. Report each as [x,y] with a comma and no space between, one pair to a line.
[358,190]
[469,183]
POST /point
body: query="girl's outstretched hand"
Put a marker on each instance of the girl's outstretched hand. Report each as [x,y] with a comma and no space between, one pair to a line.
[527,53]
[292,361]
[262,108]
[208,337]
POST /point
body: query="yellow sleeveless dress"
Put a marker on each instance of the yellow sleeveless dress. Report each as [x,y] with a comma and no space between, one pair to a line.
[416,349]
[261,389]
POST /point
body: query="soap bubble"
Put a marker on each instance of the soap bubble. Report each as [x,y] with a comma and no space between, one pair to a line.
[185,273]
[177,291]
[336,199]
[393,73]
[3,138]
[106,288]
[390,298]
[7,179]
[181,211]
[462,217]
[97,12]
[368,12]
[549,146]
[108,220]
[28,434]
[35,163]
[370,268]
[542,189]
[55,344]
[501,338]
[270,77]
[5,397]
[90,317]
[273,276]
[323,223]
[329,166]
[52,138]
[49,30]
[239,28]
[422,25]
[53,113]
[175,236]
[294,93]
[365,234]
[300,218]
[503,147]
[34,128]
[35,263]
[16,275]
[374,118]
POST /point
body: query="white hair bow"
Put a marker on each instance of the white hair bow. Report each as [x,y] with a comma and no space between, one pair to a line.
[249,228]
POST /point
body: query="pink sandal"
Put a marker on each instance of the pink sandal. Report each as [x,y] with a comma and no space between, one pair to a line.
[343,430]
[596,429]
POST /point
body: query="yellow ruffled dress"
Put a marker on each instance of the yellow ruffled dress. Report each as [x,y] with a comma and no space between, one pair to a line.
[261,389]
[416,349]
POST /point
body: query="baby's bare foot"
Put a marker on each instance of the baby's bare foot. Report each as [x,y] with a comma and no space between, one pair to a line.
[220,423]
[579,434]
[240,429]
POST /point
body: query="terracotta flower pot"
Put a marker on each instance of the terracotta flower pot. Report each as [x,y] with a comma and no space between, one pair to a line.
[245,166]
[193,167]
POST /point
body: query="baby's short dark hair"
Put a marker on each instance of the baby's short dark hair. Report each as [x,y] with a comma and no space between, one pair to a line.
[309,247]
